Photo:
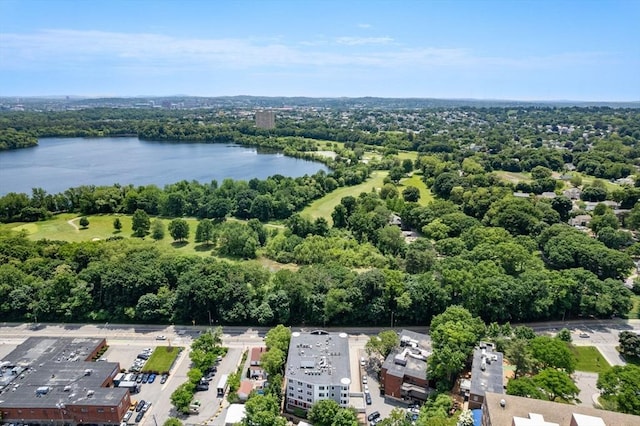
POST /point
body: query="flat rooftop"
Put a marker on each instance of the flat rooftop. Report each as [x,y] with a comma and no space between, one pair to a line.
[319,357]
[410,359]
[487,372]
[43,372]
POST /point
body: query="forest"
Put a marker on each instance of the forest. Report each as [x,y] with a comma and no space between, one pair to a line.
[506,249]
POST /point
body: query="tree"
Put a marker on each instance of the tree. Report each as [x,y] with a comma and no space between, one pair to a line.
[182,396]
[620,386]
[383,343]
[345,417]
[465,418]
[397,417]
[263,410]
[172,421]
[556,384]
[140,223]
[564,335]
[157,229]
[395,174]
[552,353]
[411,194]
[278,337]
[323,412]
[179,229]
[524,386]
[629,344]
[273,361]
[117,225]
[84,222]
[436,407]
[205,232]
[519,355]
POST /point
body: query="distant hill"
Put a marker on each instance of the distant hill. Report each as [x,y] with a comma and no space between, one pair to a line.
[245,101]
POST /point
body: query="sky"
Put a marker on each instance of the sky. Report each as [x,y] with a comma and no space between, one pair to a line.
[583,50]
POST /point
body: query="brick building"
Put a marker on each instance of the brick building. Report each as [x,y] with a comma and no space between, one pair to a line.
[54,381]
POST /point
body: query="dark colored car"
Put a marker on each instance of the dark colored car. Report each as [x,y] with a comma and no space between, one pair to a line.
[152,378]
[145,378]
[202,387]
[164,378]
[139,416]
[367,398]
[373,416]
[139,378]
[140,405]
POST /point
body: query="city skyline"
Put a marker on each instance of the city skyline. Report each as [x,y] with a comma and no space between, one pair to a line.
[521,50]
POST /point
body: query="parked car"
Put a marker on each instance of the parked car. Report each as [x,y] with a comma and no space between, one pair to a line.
[140,405]
[584,335]
[202,387]
[139,378]
[161,337]
[364,380]
[367,398]
[127,416]
[362,361]
[134,404]
[164,378]
[146,407]
[139,416]
[374,415]
[152,378]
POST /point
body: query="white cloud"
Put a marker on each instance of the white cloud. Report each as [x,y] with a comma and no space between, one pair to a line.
[61,49]
[364,26]
[358,41]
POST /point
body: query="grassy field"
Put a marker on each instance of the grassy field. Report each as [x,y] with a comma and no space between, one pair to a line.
[65,227]
[416,180]
[589,359]
[635,310]
[324,206]
[513,177]
[162,359]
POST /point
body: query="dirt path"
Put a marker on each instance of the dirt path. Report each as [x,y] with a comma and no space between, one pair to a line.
[70,222]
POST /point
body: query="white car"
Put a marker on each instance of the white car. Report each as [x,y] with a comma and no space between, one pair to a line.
[161,337]
[364,380]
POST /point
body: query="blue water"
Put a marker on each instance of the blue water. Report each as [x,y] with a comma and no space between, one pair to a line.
[60,163]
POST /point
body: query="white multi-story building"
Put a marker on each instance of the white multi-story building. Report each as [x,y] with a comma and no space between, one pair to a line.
[317,368]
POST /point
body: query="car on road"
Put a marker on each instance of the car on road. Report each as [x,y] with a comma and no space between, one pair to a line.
[584,335]
[161,337]
[140,405]
[373,416]
[367,398]
[202,387]
[164,378]
[139,416]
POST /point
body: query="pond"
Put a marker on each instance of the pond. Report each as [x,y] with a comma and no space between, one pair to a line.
[57,164]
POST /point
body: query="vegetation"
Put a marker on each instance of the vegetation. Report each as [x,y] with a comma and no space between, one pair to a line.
[162,359]
[589,358]
[620,388]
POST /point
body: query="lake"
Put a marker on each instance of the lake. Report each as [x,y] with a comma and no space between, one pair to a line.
[57,164]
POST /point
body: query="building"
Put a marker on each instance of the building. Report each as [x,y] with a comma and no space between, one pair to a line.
[317,368]
[255,370]
[53,380]
[265,119]
[505,410]
[404,372]
[487,374]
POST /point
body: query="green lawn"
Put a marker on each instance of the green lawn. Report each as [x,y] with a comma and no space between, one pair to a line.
[162,359]
[416,180]
[513,177]
[635,310]
[589,359]
[61,227]
[324,206]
